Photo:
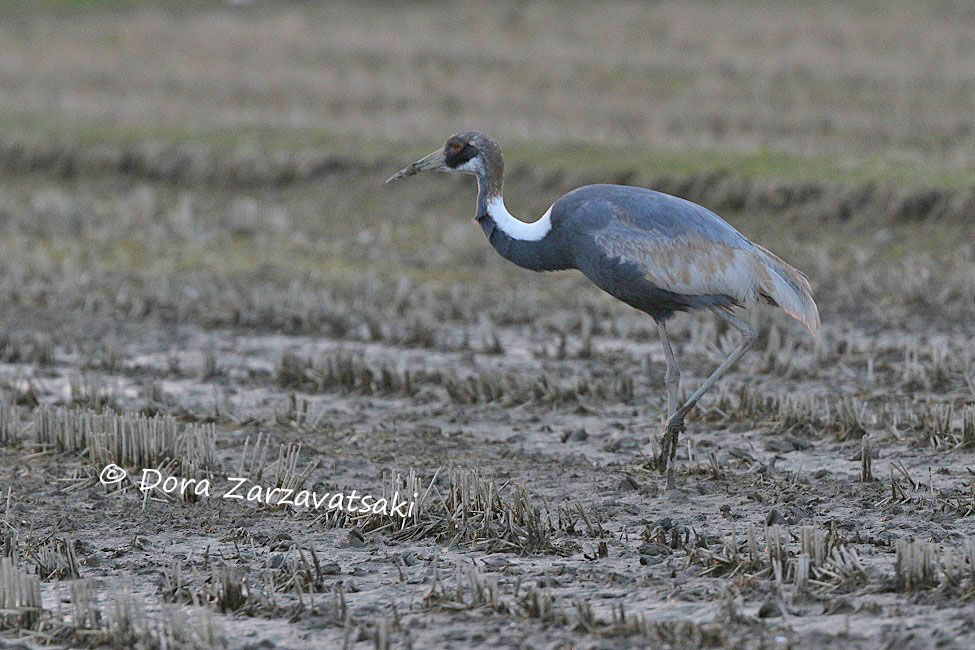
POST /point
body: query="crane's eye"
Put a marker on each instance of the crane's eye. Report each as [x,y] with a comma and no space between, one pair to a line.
[458,152]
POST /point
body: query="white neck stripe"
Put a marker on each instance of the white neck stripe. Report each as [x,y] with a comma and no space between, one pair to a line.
[515,228]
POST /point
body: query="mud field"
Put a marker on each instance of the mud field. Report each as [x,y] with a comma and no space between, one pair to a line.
[194,302]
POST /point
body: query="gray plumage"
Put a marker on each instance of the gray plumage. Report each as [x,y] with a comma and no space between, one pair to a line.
[658,253]
[612,232]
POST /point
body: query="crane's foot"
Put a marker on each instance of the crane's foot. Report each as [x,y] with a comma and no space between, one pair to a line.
[668,443]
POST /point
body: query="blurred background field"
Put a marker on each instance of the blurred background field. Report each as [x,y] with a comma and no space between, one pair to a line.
[811,112]
[828,86]
[193,225]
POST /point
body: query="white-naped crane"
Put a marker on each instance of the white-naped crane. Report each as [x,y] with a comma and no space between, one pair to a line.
[658,253]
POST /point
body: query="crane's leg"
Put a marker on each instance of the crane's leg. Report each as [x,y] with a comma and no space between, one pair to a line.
[672,378]
[672,381]
[675,423]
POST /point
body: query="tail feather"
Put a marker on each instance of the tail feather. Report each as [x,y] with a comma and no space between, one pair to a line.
[790,290]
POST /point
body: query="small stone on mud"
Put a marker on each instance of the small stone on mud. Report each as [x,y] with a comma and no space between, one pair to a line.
[331,569]
[576,435]
[799,443]
[665,523]
[628,483]
[740,453]
[787,444]
[265,644]
[769,609]
[548,582]
[497,563]
[839,606]
[654,549]
[356,538]
[623,443]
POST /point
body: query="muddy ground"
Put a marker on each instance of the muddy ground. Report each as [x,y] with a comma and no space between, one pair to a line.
[524,404]
[202,273]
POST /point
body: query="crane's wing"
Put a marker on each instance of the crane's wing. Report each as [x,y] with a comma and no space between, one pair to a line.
[688,264]
[686,249]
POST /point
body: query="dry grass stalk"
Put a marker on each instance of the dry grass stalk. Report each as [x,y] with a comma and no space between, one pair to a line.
[133,441]
[813,544]
[968,426]
[175,586]
[281,473]
[474,511]
[85,614]
[229,591]
[62,429]
[56,559]
[20,597]
[10,426]
[476,514]
[866,459]
[417,523]
[302,575]
[470,590]
[776,553]
[802,571]
[90,391]
[915,567]
[285,473]
[341,371]
[730,561]
[969,554]
[841,570]
[129,439]
[131,626]
[349,373]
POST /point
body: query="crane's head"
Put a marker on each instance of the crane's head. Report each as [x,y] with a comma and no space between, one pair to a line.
[471,153]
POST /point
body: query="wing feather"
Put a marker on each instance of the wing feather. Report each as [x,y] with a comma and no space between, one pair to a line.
[688,264]
[686,249]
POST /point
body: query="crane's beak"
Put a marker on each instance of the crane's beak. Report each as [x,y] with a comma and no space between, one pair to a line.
[433,162]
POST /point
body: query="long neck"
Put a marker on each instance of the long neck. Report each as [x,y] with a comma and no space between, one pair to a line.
[529,245]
